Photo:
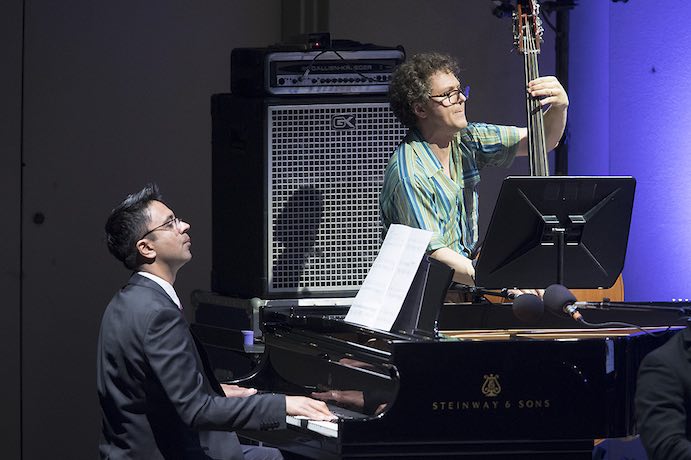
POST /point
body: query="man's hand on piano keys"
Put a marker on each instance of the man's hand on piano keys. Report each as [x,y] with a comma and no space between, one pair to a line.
[308,407]
[234,391]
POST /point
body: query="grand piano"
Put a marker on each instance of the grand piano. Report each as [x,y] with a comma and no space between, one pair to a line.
[519,393]
[464,380]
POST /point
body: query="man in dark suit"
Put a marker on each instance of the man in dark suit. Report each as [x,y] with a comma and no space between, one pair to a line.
[663,399]
[158,398]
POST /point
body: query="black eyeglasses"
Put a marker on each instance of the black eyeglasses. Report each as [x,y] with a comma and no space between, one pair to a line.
[452,97]
[171,224]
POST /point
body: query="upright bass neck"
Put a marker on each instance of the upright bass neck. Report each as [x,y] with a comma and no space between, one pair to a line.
[527,37]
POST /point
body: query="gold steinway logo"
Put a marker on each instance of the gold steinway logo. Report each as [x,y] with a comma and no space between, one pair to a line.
[491,386]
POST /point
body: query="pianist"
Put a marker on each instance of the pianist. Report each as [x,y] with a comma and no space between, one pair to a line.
[431,180]
[158,399]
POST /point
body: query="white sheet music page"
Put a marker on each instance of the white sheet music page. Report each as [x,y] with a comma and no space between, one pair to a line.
[381,295]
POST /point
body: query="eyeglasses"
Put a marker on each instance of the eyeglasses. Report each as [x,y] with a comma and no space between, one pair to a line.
[452,97]
[171,224]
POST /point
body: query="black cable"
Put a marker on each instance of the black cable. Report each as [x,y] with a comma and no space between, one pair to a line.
[622,324]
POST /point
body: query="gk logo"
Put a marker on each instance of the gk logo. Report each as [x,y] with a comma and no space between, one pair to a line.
[343,121]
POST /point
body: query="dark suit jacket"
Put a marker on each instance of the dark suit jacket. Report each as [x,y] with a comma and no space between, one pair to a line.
[663,399]
[157,400]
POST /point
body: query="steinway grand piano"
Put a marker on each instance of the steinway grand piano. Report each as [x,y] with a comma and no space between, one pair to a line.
[462,380]
[515,393]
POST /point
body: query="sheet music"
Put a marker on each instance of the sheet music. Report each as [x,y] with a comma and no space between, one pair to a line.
[381,295]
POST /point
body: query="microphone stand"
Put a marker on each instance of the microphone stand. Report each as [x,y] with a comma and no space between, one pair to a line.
[684,308]
[561,243]
[478,293]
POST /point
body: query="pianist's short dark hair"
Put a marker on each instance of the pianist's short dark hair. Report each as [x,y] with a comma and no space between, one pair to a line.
[128,222]
[410,83]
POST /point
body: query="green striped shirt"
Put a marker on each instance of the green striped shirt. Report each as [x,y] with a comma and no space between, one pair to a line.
[417,193]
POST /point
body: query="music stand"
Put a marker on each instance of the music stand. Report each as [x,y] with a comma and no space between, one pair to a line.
[420,309]
[570,230]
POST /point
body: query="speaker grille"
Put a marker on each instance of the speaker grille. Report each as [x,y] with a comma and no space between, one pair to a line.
[326,168]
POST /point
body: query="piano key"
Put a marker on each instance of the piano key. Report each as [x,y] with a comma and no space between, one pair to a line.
[329,429]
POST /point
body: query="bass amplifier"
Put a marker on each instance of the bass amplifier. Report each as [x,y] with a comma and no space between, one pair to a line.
[268,71]
[295,193]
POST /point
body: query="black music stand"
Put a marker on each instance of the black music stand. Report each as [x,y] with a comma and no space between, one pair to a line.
[420,309]
[570,230]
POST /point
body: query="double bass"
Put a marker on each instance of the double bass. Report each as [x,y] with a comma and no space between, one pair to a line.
[527,37]
[527,34]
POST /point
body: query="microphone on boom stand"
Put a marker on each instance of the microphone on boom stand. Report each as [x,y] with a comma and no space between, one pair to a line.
[528,308]
[559,300]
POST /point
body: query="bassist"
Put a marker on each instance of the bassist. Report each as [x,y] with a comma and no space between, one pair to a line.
[431,179]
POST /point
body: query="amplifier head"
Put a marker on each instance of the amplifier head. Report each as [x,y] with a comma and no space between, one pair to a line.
[256,71]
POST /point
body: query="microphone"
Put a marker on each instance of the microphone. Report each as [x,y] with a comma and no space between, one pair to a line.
[559,299]
[528,308]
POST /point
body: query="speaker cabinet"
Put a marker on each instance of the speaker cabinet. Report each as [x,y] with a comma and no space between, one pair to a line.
[295,190]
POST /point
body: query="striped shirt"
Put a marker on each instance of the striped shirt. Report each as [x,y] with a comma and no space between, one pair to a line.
[418,194]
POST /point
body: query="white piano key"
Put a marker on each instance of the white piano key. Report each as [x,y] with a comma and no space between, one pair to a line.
[329,429]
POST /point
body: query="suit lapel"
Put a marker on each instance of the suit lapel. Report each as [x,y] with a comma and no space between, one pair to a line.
[143,281]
